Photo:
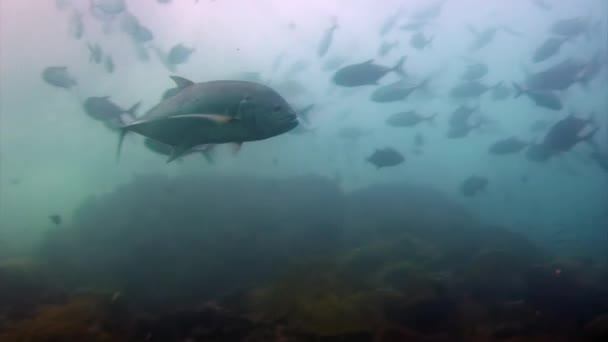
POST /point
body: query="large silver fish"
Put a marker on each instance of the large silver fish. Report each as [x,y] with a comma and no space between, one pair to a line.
[214,112]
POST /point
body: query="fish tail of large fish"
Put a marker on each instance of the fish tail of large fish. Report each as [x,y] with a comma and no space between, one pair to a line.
[132,112]
[121,139]
[398,68]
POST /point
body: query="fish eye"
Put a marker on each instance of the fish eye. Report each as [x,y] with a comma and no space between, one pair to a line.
[276,108]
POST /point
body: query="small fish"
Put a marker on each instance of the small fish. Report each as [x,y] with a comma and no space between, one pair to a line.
[365,73]
[571,27]
[568,132]
[58,76]
[179,54]
[548,49]
[408,119]
[326,41]
[102,109]
[108,64]
[429,11]
[134,29]
[56,219]
[473,185]
[109,7]
[95,53]
[76,26]
[469,89]
[419,41]
[386,157]
[546,99]
[507,146]
[396,91]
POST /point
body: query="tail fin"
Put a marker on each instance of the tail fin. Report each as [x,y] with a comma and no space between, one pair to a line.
[121,138]
[209,155]
[518,90]
[398,68]
[133,110]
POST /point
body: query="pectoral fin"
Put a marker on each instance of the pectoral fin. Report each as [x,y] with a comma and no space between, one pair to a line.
[236,147]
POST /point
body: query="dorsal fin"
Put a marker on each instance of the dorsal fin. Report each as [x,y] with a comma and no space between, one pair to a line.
[181,82]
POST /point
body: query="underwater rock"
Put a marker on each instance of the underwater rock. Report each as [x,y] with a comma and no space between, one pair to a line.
[425,314]
[567,290]
[23,286]
[80,319]
[495,276]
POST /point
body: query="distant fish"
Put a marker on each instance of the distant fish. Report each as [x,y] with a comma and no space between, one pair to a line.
[132,27]
[559,76]
[102,109]
[76,25]
[548,48]
[571,27]
[507,146]
[95,53]
[473,185]
[429,11]
[109,7]
[327,38]
[408,119]
[396,91]
[108,64]
[386,157]
[420,41]
[568,132]
[56,219]
[545,99]
[179,54]
[366,73]
[58,76]
[470,89]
